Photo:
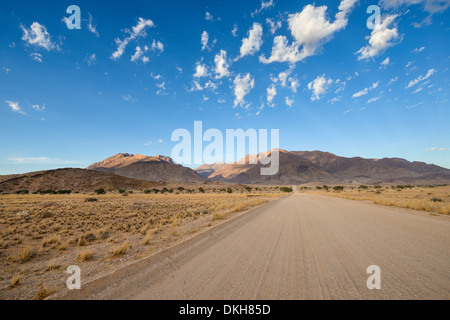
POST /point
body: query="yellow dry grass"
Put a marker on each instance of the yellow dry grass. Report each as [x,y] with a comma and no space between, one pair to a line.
[67,229]
[430,199]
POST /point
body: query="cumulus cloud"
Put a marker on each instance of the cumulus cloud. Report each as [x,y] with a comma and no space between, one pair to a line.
[271,93]
[137,31]
[380,39]
[201,70]
[204,40]
[157,46]
[253,42]
[273,25]
[14,105]
[366,90]
[208,17]
[221,65]
[311,30]
[319,86]
[421,78]
[242,86]
[139,55]
[38,36]
[289,102]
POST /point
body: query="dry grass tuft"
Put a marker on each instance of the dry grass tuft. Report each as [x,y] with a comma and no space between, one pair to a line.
[85,255]
[15,281]
[43,292]
[120,250]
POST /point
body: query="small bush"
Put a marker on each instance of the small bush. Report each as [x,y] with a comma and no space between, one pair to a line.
[64,191]
[338,188]
[100,191]
[319,188]
[90,200]
[121,191]
[25,254]
[229,190]
[325,187]
[201,190]
[364,187]
[23,192]
[286,189]
[436,200]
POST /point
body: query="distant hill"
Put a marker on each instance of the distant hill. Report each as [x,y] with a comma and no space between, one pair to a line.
[71,179]
[158,168]
[299,167]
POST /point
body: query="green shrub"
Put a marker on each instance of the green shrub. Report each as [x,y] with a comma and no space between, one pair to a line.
[229,190]
[90,200]
[338,188]
[364,187]
[122,191]
[319,188]
[201,190]
[23,192]
[64,191]
[325,187]
[286,189]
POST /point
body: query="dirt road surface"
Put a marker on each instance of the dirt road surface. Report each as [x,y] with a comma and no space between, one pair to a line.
[298,247]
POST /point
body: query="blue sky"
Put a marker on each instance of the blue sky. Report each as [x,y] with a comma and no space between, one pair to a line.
[138,70]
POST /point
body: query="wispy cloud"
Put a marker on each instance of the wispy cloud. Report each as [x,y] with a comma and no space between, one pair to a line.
[137,31]
[41,161]
[421,78]
[14,105]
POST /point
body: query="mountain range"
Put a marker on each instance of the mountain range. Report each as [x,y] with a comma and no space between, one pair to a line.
[128,171]
[300,167]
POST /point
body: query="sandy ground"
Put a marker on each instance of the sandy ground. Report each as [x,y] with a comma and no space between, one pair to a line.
[299,247]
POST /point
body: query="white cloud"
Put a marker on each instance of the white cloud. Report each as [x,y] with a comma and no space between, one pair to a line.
[430,6]
[155,76]
[273,26]
[418,90]
[157,45]
[221,101]
[319,87]
[38,36]
[139,55]
[264,6]
[421,78]
[311,30]
[92,27]
[7,70]
[36,56]
[418,50]
[253,42]
[204,40]
[242,87]
[201,70]
[91,59]
[15,106]
[380,39]
[271,93]
[234,31]
[294,85]
[137,31]
[289,102]
[392,81]
[385,62]
[221,65]
[366,90]
[373,100]
[208,17]
[38,107]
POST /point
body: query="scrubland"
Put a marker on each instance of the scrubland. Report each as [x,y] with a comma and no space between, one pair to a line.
[42,235]
[426,198]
